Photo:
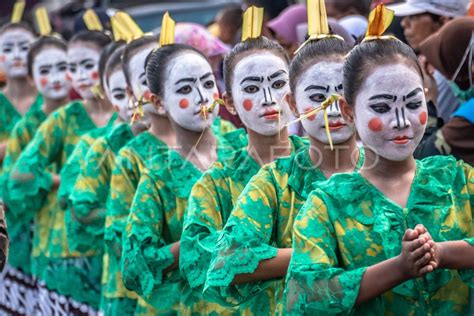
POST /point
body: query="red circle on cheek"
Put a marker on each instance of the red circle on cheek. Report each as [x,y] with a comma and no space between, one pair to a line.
[95,75]
[248,105]
[375,125]
[423,118]
[2,58]
[309,109]
[43,81]
[184,103]
[147,95]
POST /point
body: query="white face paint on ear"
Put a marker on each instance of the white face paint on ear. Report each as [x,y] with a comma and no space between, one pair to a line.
[50,73]
[14,50]
[83,69]
[138,78]
[259,87]
[189,85]
[390,111]
[117,94]
[314,86]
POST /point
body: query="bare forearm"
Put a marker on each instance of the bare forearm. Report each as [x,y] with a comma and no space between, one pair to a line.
[56,181]
[175,248]
[456,255]
[268,269]
[380,278]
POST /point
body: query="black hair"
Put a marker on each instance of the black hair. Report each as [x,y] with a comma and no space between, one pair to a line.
[104,57]
[39,45]
[367,55]
[314,52]
[157,61]
[115,62]
[132,48]
[20,25]
[95,37]
[251,45]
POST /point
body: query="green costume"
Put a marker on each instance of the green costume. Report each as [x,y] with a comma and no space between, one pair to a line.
[260,224]
[129,165]
[347,225]
[211,201]
[9,116]
[19,228]
[29,188]
[76,162]
[155,223]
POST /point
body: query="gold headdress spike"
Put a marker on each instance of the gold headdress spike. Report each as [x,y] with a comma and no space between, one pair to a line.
[379,20]
[42,21]
[118,30]
[252,23]
[92,21]
[323,107]
[128,24]
[318,26]
[18,10]
[167,30]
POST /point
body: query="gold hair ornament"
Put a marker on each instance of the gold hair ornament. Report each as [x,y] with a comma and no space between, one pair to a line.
[167,30]
[17,13]
[42,21]
[129,26]
[318,26]
[92,21]
[252,23]
[379,21]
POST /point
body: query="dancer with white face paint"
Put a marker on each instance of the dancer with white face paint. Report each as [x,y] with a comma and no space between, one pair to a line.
[363,240]
[256,77]
[33,188]
[181,81]
[275,194]
[132,159]
[19,94]
[50,79]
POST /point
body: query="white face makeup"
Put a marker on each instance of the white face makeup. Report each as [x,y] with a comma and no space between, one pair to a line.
[138,78]
[14,49]
[189,85]
[259,87]
[117,94]
[390,111]
[50,73]
[83,69]
[314,86]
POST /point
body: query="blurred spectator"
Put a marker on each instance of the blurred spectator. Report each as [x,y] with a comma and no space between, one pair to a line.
[229,23]
[284,27]
[450,51]
[214,49]
[272,7]
[422,18]
[351,14]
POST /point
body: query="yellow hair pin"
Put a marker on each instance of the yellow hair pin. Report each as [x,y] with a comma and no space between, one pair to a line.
[138,112]
[318,26]
[18,10]
[91,20]
[167,30]
[379,20]
[98,91]
[42,21]
[252,23]
[129,25]
[323,107]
